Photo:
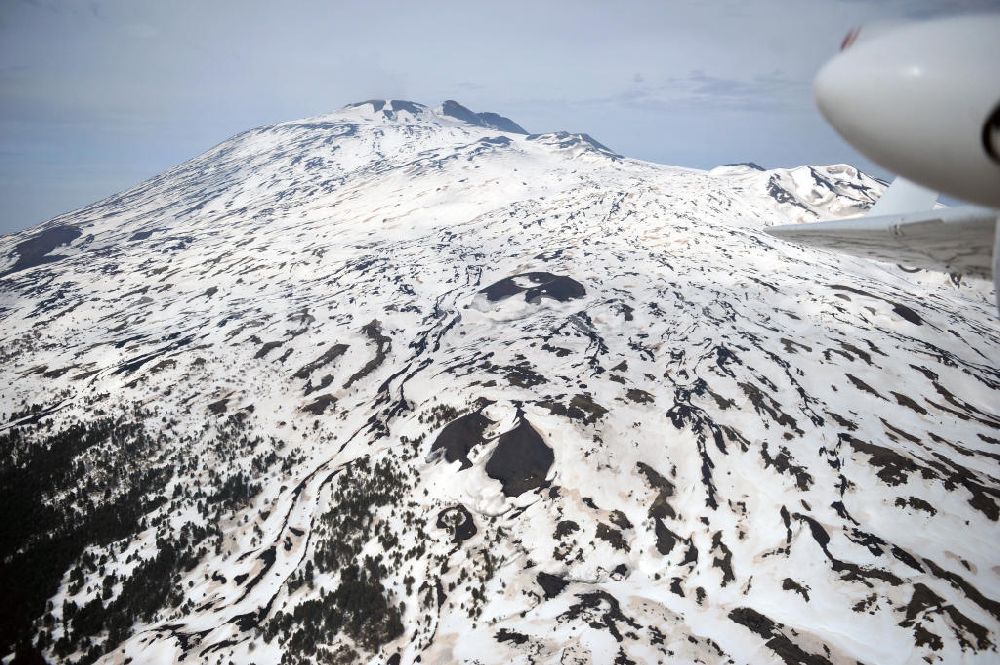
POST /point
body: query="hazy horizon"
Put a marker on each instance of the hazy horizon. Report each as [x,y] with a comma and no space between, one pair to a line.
[99,96]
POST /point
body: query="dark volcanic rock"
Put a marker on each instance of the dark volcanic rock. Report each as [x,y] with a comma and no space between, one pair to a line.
[521,460]
[611,535]
[328,357]
[581,407]
[35,250]
[460,436]
[383,344]
[566,527]
[777,641]
[552,585]
[504,635]
[459,521]
[557,287]
[661,508]
[319,405]
[665,538]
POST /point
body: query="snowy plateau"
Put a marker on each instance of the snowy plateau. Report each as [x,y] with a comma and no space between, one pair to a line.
[406,384]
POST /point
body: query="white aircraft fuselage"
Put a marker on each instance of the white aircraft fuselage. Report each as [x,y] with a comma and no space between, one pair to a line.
[923,100]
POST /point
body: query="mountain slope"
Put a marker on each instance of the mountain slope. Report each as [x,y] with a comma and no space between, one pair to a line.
[403,382]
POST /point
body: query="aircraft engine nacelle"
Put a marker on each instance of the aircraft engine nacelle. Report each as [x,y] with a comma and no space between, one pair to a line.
[923,101]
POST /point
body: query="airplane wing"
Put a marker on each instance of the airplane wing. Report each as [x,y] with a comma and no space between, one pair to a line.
[959,240]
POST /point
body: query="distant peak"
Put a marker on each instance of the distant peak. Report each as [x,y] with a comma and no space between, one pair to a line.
[376,104]
[404,105]
[393,104]
[453,109]
[574,141]
[388,108]
[749,165]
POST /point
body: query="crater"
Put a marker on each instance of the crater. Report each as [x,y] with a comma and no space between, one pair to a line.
[458,521]
[460,436]
[535,286]
[521,460]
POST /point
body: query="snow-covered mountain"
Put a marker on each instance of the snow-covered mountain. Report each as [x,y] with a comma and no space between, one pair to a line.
[405,384]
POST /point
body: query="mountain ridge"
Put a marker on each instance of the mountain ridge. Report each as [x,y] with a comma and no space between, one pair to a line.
[360,387]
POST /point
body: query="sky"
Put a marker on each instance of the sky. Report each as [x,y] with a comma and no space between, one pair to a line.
[98,95]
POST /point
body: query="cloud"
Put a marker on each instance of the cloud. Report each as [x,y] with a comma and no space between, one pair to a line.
[699,90]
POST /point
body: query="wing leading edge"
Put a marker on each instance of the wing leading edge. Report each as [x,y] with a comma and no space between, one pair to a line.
[959,240]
